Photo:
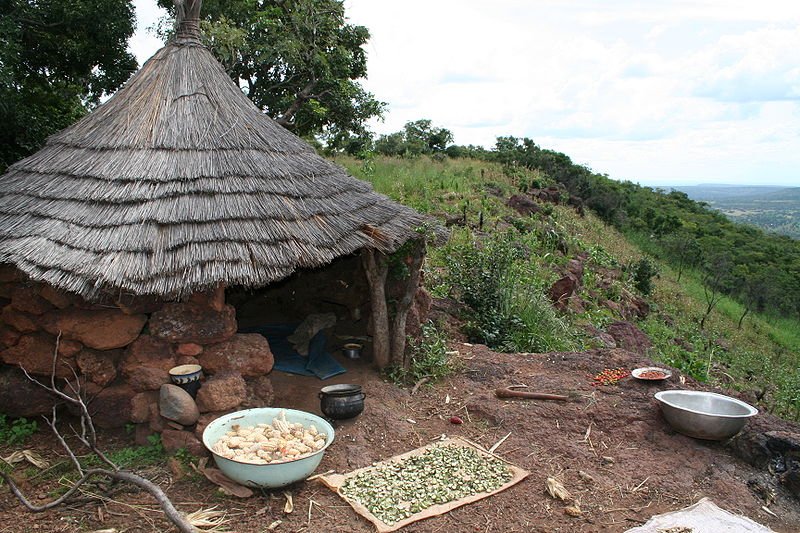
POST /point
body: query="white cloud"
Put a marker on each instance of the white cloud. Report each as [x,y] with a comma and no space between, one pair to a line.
[704,90]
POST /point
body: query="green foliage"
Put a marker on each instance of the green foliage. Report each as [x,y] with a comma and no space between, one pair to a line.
[299,61]
[139,456]
[429,358]
[643,272]
[503,290]
[57,59]
[16,431]
[417,138]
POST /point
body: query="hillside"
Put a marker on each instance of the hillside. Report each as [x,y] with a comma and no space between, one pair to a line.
[775,209]
[501,264]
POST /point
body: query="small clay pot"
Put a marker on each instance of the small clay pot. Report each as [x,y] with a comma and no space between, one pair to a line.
[341,401]
[187,377]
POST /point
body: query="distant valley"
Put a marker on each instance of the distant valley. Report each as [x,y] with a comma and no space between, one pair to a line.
[775,209]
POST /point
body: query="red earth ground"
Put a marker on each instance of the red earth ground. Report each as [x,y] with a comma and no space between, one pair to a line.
[609,447]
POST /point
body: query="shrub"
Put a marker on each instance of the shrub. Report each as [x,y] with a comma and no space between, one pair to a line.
[643,272]
[500,284]
[17,431]
[429,357]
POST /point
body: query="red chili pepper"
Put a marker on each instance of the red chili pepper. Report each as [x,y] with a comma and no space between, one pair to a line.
[610,376]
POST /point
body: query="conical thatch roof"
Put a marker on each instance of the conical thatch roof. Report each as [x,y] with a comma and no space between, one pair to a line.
[179,182]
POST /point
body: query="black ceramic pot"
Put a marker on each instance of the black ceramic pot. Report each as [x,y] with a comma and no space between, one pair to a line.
[341,401]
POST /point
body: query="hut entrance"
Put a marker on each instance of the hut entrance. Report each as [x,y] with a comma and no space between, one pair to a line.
[333,300]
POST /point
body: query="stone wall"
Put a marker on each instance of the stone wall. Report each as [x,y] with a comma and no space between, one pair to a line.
[119,352]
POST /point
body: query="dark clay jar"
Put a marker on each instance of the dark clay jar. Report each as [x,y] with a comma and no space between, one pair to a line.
[341,401]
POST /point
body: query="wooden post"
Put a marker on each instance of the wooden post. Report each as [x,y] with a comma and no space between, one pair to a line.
[404,304]
[376,269]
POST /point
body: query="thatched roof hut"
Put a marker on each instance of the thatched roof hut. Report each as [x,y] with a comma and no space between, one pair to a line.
[178,183]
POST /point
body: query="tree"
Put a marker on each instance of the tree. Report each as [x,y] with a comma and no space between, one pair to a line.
[417,137]
[57,59]
[716,277]
[298,60]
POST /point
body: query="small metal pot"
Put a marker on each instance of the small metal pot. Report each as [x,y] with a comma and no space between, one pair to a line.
[341,401]
[352,350]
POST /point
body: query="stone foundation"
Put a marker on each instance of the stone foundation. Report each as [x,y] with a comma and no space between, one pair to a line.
[120,352]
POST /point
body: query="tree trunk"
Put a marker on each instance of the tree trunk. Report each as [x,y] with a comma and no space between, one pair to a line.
[410,290]
[741,318]
[376,269]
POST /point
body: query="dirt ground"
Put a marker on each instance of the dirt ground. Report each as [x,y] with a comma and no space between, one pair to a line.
[609,446]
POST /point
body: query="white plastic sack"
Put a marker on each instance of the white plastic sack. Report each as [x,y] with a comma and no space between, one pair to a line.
[702,517]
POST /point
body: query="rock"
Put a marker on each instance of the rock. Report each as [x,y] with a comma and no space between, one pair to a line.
[9,272]
[111,407]
[259,393]
[605,340]
[214,298]
[173,440]
[135,305]
[26,298]
[629,337]
[186,360]
[523,205]
[98,367]
[191,322]
[245,353]
[68,348]
[8,336]
[140,406]
[143,434]
[22,322]
[189,348]
[19,396]
[147,378]
[223,391]
[575,267]
[59,298]
[156,422]
[563,289]
[34,352]
[176,404]
[101,329]
[205,419]
[613,306]
[639,307]
[148,351]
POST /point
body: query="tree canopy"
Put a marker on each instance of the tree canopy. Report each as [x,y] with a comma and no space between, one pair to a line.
[298,60]
[57,59]
[417,137]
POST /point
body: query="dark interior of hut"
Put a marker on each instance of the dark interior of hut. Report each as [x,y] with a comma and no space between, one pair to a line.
[332,300]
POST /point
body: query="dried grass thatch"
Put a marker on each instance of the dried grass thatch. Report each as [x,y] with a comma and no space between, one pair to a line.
[178,183]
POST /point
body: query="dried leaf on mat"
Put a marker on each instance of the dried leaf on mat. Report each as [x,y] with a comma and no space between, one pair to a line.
[557,490]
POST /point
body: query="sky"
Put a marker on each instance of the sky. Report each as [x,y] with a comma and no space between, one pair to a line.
[655,92]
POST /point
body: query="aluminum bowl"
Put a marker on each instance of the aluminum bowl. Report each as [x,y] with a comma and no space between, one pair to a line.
[271,475]
[704,415]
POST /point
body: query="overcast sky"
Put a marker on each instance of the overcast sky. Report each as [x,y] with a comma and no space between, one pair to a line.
[656,92]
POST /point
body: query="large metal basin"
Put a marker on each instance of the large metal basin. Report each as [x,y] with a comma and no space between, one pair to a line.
[272,475]
[704,415]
